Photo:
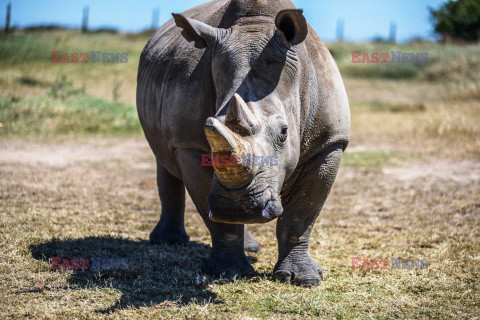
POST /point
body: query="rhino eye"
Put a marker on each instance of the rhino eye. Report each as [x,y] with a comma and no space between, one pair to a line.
[284,133]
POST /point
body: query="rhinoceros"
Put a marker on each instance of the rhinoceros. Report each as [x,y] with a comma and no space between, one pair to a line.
[239,79]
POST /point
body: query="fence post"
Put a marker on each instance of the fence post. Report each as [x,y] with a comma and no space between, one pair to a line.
[85,19]
[393,32]
[340,29]
[7,22]
[155,16]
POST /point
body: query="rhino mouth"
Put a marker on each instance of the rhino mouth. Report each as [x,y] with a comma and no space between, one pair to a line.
[243,207]
[272,210]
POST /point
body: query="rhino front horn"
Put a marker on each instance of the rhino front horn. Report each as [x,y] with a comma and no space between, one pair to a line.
[227,150]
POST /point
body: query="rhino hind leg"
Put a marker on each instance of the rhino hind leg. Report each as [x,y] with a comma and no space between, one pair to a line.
[250,244]
[170,229]
[313,182]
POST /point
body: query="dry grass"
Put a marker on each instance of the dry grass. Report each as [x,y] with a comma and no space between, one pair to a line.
[448,125]
[465,90]
[97,197]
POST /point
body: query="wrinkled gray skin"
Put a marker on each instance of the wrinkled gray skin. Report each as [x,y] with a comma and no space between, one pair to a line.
[243,77]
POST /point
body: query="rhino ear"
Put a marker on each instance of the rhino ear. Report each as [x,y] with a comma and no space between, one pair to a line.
[293,25]
[193,30]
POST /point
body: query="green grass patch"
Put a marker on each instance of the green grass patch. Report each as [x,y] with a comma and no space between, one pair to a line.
[374,159]
[445,63]
[38,46]
[378,70]
[66,111]
[22,48]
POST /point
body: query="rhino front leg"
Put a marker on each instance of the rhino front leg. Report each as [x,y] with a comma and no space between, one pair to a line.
[227,258]
[170,229]
[301,207]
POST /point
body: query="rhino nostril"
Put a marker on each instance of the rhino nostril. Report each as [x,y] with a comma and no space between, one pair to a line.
[272,210]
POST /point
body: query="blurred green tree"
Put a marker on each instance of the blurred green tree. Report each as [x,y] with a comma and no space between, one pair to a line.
[457,20]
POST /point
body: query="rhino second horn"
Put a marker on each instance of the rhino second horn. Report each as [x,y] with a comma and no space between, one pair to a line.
[240,115]
[223,141]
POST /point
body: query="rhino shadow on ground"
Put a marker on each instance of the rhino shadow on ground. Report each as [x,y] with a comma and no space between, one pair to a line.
[154,274]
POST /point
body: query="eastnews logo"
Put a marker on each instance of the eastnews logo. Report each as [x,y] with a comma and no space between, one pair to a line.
[96,57]
[382,57]
[397,263]
[95,264]
[234,161]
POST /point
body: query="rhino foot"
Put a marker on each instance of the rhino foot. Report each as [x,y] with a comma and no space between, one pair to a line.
[227,264]
[252,247]
[299,270]
[250,244]
[159,236]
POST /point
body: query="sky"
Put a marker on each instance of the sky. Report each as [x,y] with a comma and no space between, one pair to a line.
[362,19]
